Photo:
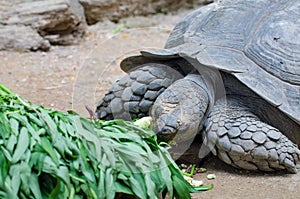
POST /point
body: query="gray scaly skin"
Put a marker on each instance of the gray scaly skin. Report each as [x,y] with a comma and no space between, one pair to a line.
[231,130]
[239,138]
[132,96]
[254,48]
[170,113]
[181,108]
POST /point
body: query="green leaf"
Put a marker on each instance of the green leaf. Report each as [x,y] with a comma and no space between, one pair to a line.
[55,192]
[101,185]
[22,145]
[122,187]
[36,161]
[4,125]
[34,186]
[12,141]
[138,188]
[14,124]
[152,192]
[180,188]
[109,184]
[204,188]
[62,155]
[33,119]
[47,146]
[118,28]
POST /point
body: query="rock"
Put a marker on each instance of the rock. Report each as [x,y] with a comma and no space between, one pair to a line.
[21,38]
[114,10]
[36,24]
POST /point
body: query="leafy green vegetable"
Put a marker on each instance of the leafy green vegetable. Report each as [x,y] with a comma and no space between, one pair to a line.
[51,154]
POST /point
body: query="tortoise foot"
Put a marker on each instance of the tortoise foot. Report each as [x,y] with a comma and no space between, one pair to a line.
[240,139]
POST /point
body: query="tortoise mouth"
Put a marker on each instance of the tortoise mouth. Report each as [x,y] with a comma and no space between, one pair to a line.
[166,133]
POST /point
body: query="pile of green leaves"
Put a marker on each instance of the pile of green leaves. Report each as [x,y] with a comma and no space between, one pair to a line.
[51,154]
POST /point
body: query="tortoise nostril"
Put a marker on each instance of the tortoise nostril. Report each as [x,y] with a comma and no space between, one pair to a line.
[167,130]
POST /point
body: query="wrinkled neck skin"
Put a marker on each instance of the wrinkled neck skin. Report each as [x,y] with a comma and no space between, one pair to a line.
[211,81]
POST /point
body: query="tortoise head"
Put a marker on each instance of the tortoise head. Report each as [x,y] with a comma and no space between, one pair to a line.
[179,111]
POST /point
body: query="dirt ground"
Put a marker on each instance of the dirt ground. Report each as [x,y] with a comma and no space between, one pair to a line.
[74,76]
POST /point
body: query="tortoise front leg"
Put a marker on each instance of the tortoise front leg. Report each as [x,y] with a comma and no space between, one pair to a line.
[240,139]
[132,96]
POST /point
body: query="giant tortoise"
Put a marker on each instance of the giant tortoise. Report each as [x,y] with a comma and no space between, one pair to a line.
[229,71]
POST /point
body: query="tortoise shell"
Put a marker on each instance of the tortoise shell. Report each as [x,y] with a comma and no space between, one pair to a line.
[257,41]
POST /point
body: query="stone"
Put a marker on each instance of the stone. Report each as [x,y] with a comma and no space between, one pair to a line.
[135,98]
[116,87]
[30,25]
[236,124]
[134,74]
[125,81]
[114,10]
[21,38]
[37,24]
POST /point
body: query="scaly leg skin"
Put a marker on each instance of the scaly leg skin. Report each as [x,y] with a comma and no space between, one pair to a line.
[178,111]
[132,96]
[240,139]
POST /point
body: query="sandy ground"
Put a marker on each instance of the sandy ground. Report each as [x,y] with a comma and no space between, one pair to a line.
[74,76]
